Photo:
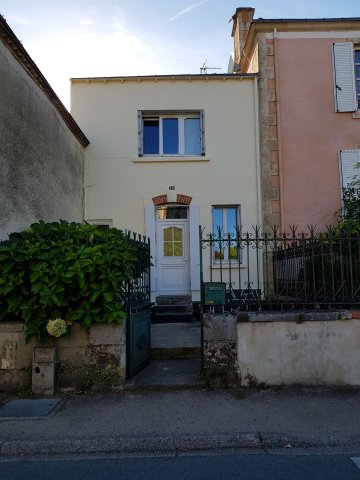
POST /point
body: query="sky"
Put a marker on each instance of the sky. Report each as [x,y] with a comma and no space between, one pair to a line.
[87,38]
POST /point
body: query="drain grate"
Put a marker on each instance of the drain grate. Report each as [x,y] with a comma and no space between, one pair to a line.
[28,408]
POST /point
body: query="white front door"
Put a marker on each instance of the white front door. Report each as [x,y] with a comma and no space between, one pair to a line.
[172,245]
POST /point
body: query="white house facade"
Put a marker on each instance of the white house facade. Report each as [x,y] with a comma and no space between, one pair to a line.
[169,154]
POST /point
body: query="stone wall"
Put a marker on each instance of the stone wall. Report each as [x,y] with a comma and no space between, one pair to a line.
[15,358]
[269,132]
[42,162]
[312,348]
[262,59]
[220,349]
[282,348]
[84,360]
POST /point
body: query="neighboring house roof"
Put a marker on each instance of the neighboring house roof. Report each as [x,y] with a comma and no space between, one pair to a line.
[305,20]
[294,20]
[262,25]
[11,41]
[304,24]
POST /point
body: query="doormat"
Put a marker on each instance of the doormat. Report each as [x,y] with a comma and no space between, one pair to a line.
[29,408]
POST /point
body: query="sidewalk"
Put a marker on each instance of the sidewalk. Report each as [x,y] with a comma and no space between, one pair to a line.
[185,421]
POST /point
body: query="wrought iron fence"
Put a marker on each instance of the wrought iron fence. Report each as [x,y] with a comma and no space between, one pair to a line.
[138,295]
[277,271]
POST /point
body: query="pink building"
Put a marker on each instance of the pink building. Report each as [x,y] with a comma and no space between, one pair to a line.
[309,101]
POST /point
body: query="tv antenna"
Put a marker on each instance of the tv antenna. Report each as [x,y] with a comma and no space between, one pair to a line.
[204,69]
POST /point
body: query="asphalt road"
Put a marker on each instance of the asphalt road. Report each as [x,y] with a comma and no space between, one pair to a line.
[239,467]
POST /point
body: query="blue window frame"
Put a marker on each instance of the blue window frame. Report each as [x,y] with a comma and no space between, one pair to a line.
[170,136]
[167,134]
[151,136]
[226,223]
[192,137]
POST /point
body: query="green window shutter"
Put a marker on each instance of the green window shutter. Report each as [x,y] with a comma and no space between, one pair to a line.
[344,77]
[140,134]
[202,131]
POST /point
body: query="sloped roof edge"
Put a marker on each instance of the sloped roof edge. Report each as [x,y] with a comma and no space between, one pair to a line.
[171,78]
[13,44]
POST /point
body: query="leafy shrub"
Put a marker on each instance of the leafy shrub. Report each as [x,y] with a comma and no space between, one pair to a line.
[72,271]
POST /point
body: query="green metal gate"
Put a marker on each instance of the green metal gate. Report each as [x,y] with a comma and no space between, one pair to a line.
[138,341]
[138,323]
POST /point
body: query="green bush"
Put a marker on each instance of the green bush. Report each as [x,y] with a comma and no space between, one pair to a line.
[73,271]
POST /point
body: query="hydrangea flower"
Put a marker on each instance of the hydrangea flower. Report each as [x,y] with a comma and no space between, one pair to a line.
[56,327]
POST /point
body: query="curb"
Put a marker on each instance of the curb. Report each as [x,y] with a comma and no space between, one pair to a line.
[168,444]
[130,445]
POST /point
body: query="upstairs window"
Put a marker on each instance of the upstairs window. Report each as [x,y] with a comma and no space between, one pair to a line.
[357,75]
[171,133]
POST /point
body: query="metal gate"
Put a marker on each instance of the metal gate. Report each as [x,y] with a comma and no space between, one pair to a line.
[138,322]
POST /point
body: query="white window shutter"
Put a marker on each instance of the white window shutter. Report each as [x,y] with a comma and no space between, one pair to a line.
[348,160]
[150,227]
[202,131]
[194,220]
[140,134]
[344,77]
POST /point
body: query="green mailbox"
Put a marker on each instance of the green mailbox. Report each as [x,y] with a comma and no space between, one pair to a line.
[214,293]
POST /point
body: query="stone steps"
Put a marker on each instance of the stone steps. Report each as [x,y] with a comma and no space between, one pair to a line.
[173,300]
[175,358]
[172,309]
[171,373]
[175,353]
[171,317]
[176,341]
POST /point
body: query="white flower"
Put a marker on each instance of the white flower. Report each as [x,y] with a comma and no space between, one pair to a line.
[56,327]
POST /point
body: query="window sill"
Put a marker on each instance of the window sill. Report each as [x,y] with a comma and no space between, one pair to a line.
[179,159]
[356,114]
[226,266]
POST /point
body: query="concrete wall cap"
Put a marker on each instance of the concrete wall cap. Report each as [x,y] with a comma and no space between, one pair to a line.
[9,327]
[298,317]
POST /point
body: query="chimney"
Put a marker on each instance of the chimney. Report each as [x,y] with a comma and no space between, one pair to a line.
[242,19]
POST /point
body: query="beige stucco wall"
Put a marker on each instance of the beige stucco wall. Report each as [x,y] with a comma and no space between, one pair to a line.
[313,352]
[41,160]
[119,184]
[116,183]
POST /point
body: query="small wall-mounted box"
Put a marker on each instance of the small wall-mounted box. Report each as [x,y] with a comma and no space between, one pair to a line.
[214,293]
